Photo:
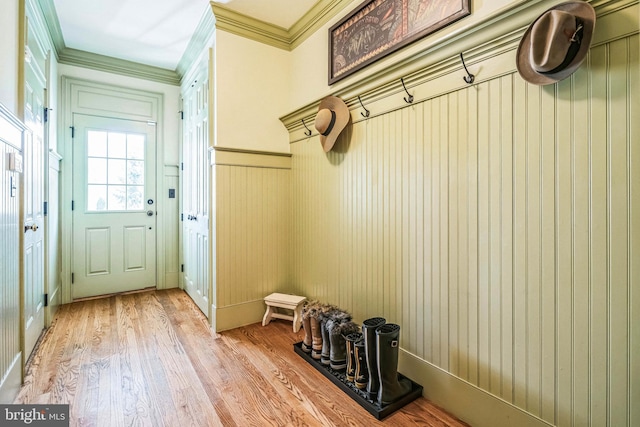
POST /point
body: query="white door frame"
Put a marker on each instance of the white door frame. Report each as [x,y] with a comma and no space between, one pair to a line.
[106,100]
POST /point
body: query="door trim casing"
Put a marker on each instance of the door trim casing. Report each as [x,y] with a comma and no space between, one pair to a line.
[106,100]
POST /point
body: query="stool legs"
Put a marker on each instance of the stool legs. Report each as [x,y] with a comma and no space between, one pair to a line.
[297,318]
[267,316]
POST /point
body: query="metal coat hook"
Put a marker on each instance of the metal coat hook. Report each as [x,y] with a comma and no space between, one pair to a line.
[308,131]
[469,78]
[367,112]
[409,99]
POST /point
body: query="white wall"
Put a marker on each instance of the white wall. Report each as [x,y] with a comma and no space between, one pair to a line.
[9,55]
[251,92]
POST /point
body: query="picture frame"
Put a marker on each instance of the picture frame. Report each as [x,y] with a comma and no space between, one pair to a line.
[377,28]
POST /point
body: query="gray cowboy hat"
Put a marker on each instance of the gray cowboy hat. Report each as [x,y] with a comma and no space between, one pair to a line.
[556,43]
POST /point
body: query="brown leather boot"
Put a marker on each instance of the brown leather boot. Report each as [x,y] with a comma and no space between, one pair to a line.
[316,338]
[306,325]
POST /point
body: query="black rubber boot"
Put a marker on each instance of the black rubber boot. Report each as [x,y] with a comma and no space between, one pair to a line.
[352,361]
[369,331]
[362,372]
[391,389]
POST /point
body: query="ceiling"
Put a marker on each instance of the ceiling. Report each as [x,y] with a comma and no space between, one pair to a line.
[156,32]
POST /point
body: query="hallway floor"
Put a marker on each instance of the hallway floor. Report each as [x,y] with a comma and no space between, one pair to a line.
[150,359]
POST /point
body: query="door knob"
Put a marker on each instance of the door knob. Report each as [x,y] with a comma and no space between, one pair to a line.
[149,213]
[32,227]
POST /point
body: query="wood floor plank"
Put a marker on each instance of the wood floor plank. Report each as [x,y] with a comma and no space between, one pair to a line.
[150,359]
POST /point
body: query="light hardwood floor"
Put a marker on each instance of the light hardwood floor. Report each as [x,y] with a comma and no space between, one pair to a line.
[149,359]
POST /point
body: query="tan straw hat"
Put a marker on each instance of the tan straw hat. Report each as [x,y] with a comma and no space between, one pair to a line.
[557,42]
[333,116]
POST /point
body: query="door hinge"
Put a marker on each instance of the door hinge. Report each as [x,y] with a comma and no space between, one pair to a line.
[73,276]
[182,166]
[182,268]
[46,300]
[181,114]
[73,131]
[46,114]
[73,205]
[181,217]
[45,208]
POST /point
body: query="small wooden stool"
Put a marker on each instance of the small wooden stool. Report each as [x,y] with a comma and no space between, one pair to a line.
[291,302]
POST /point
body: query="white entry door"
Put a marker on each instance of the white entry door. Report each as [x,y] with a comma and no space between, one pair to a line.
[114,206]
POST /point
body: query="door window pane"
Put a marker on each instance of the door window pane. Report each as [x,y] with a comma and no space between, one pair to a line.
[117,145]
[135,146]
[135,172]
[117,198]
[134,197]
[117,160]
[117,171]
[97,198]
[97,171]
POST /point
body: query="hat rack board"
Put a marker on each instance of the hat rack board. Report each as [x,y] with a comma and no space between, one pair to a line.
[360,396]
[476,54]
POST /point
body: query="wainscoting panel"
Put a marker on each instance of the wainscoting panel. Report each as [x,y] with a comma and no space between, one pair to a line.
[252,233]
[499,226]
[10,300]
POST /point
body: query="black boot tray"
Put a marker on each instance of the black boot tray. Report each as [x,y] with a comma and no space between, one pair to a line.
[360,396]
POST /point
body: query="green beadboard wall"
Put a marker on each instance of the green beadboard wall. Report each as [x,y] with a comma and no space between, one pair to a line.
[499,225]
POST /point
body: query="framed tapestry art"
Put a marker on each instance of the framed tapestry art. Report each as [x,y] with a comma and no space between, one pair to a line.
[378,27]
